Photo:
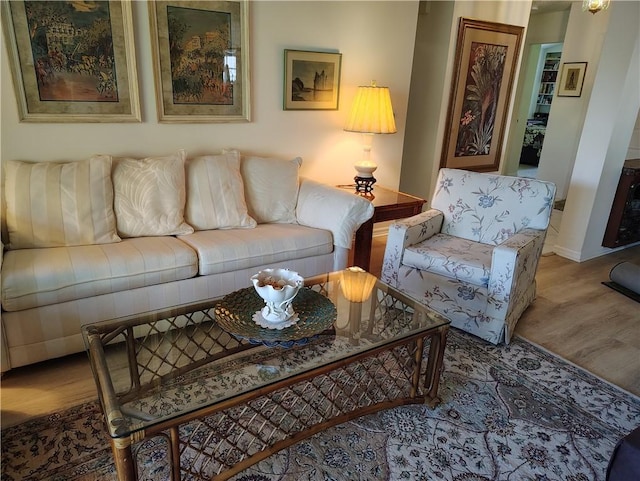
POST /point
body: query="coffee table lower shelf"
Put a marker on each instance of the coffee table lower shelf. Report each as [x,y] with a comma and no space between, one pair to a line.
[222,440]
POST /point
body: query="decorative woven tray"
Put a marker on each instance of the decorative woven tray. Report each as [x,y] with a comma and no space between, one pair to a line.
[235,311]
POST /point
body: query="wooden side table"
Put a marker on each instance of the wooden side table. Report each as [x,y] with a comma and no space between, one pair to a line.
[388,205]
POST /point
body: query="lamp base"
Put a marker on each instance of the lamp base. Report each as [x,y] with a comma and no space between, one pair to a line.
[364,184]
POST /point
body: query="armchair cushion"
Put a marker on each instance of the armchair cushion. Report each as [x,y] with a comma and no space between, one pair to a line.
[452,257]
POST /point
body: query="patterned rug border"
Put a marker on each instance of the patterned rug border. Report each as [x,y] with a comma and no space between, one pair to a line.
[485,388]
[577,366]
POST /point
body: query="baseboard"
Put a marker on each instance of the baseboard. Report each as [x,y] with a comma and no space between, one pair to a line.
[578,256]
[381,228]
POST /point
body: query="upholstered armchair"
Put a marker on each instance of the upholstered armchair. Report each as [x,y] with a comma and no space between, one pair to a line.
[473,256]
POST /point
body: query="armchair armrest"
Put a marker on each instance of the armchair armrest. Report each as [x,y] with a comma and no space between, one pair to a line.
[513,269]
[406,232]
[326,207]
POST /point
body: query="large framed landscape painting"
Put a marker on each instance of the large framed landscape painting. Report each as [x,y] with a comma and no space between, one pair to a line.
[72,61]
[486,58]
[201,60]
[311,80]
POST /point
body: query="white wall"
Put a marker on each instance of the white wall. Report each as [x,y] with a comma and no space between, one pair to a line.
[583,43]
[427,99]
[543,28]
[606,132]
[376,39]
[634,145]
[431,83]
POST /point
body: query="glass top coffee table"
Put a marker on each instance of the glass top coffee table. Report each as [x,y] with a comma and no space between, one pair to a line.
[202,392]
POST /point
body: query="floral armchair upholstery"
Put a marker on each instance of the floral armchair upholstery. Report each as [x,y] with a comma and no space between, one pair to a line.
[473,256]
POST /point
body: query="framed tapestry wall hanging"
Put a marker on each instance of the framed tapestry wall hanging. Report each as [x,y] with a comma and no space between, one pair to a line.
[485,63]
[201,60]
[72,61]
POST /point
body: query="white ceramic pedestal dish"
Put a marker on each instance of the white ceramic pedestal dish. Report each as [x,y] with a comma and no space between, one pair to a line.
[277,287]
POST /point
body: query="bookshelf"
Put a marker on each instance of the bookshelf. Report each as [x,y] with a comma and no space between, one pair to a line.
[548,81]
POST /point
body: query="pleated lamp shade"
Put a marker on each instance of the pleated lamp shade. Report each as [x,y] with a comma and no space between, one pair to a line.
[356,284]
[372,112]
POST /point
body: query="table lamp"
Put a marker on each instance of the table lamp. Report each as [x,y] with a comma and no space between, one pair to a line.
[370,114]
[356,285]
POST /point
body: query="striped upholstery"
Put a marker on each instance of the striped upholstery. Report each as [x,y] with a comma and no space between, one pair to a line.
[230,250]
[59,204]
[38,277]
[52,331]
[215,193]
[48,294]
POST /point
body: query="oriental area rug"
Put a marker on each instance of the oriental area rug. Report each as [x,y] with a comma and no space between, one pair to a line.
[511,412]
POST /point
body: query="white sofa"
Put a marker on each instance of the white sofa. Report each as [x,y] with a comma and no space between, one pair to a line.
[103,238]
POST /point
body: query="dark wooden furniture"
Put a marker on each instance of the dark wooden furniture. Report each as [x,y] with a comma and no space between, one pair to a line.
[532,144]
[624,220]
[389,205]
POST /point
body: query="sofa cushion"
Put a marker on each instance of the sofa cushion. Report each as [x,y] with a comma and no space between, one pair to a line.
[230,250]
[59,204]
[215,193]
[150,196]
[37,277]
[452,257]
[271,188]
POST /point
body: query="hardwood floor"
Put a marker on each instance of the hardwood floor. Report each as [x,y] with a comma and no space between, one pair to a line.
[574,316]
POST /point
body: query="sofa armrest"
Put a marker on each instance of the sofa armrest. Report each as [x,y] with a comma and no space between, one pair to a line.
[406,232]
[326,207]
[513,269]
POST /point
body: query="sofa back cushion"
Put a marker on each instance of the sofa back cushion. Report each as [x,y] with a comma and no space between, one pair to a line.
[215,193]
[490,208]
[59,204]
[271,188]
[149,196]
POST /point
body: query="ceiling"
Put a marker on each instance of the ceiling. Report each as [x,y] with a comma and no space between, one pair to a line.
[546,6]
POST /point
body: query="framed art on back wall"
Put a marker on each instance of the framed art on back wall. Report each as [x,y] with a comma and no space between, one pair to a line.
[572,79]
[201,60]
[72,61]
[311,80]
[486,59]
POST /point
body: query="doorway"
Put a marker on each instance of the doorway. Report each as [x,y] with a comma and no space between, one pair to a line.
[538,104]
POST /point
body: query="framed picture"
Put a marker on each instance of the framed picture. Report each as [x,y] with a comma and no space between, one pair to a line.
[201,60]
[72,61]
[571,79]
[485,63]
[311,80]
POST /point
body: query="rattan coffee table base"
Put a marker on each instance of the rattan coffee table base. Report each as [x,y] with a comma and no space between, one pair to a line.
[219,443]
[181,394]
